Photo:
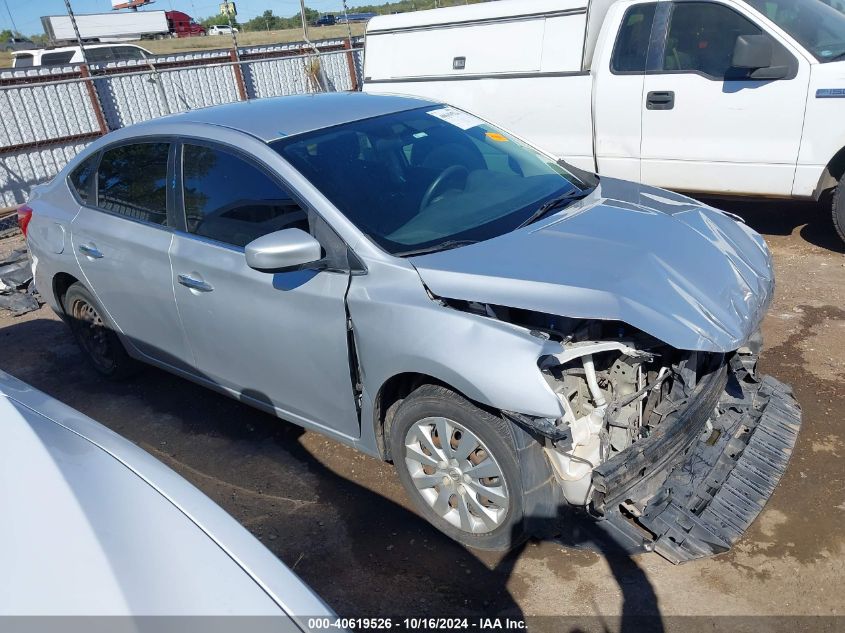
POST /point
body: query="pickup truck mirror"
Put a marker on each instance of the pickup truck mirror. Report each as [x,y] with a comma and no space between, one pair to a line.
[755,53]
[283,251]
[752,52]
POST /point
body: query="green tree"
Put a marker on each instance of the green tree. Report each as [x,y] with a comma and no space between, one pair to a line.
[219,19]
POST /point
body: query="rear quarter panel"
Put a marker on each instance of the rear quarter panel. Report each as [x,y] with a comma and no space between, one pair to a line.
[48,237]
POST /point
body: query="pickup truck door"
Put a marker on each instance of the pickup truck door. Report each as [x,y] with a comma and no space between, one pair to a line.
[708,127]
[618,91]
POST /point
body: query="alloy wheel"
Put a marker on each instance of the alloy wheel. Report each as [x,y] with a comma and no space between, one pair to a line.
[456,474]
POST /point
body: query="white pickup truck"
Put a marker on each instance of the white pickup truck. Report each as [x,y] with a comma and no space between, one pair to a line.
[726,97]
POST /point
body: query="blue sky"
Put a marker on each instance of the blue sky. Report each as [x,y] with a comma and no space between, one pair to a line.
[27,13]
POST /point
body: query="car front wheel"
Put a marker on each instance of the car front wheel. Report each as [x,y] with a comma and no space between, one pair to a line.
[473,475]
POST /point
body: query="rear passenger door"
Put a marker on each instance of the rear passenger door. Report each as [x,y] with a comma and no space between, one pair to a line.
[121,238]
[277,341]
[619,92]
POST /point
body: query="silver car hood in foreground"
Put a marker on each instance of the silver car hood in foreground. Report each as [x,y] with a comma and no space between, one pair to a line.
[678,270]
[93,525]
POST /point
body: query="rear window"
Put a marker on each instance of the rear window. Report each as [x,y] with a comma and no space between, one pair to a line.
[132,181]
[23,60]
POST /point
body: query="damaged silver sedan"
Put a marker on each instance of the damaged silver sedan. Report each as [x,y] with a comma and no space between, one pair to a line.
[527,343]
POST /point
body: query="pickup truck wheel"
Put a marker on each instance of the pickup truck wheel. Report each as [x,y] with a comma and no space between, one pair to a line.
[839,209]
[473,475]
[98,341]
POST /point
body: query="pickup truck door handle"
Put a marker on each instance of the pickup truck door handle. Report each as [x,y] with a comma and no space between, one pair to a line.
[195,284]
[90,251]
[660,100]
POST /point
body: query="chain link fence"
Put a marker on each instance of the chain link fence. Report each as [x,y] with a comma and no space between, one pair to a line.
[47,115]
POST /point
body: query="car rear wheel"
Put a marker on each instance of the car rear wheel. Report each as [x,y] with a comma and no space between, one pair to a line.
[839,209]
[459,465]
[98,341]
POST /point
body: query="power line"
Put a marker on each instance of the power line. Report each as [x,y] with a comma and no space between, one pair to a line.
[14,26]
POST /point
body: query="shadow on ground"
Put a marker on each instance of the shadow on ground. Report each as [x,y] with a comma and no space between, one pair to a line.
[783,217]
[338,518]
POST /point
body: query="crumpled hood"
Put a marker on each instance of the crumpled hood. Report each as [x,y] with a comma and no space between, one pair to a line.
[678,270]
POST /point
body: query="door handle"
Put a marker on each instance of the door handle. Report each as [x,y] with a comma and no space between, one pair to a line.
[660,100]
[90,251]
[195,284]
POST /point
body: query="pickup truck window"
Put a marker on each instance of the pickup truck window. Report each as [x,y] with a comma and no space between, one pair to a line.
[631,48]
[816,26]
[702,36]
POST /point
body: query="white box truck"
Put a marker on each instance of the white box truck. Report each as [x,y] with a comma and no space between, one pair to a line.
[726,97]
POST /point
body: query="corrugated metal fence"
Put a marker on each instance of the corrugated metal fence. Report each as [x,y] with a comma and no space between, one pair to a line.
[47,115]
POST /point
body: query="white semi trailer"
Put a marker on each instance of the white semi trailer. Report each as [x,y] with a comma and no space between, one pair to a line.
[120,26]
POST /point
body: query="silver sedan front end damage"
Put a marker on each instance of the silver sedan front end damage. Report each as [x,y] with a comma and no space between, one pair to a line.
[675,452]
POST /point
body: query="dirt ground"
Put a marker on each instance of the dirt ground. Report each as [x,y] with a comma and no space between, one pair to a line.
[344,524]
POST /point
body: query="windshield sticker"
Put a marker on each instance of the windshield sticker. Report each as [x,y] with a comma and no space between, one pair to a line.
[456,117]
[495,136]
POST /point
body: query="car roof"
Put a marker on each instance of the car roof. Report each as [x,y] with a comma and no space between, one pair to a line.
[277,117]
[88,47]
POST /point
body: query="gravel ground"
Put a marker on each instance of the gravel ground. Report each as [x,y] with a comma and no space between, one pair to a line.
[343,523]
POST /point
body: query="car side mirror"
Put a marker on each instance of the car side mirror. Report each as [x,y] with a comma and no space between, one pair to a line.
[755,54]
[283,251]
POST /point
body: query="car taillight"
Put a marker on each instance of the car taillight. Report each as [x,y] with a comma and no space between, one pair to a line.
[24,216]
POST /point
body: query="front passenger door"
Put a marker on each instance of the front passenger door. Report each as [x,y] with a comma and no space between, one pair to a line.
[709,127]
[277,341]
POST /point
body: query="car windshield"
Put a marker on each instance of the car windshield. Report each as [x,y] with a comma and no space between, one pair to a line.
[429,178]
[814,24]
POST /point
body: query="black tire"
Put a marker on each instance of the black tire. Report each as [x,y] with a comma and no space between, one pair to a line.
[838,206]
[533,493]
[99,343]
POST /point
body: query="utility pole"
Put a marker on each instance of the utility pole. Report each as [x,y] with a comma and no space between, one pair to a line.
[76,31]
[304,20]
[232,31]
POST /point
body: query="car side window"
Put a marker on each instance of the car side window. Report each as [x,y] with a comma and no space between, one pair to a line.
[230,200]
[132,181]
[702,36]
[125,53]
[99,55]
[631,48]
[81,178]
[56,59]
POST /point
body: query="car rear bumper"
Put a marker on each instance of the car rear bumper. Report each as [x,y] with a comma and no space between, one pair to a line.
[692,491]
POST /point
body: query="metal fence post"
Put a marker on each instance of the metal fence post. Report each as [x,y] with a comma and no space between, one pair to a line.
[239,77]
[350,62]
[95,98]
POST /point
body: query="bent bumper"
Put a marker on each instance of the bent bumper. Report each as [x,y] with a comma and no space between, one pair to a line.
[703,486]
